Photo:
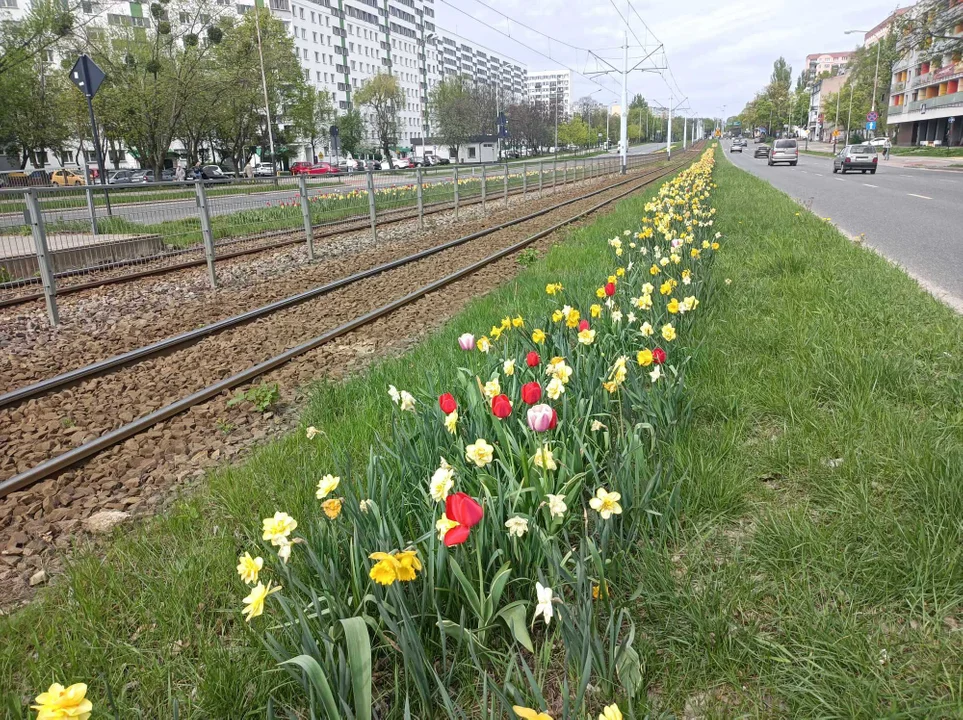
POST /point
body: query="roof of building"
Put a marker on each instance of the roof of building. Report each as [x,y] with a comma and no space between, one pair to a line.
[842,55]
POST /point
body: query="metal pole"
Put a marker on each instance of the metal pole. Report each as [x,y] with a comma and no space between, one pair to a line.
[506,184]
[541,175]
[668,135]
[89,192]
[206,232]
[267,104]
[524,179]
[554,174]
[306,214]
[371,206]
[43,255]
[421,201]
[100,154]
[484,186]
[849,118]
[456,192]
[624,119]
[565,174]
[879,46]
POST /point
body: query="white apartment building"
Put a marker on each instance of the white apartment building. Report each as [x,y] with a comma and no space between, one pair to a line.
[545,85]
[343,43]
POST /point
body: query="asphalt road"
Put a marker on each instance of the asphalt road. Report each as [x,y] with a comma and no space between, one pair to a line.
[910,216]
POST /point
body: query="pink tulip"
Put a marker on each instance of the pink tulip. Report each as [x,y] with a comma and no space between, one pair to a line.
[541,417]
[466,341]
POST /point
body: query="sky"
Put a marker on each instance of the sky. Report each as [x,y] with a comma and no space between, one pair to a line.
[719,52]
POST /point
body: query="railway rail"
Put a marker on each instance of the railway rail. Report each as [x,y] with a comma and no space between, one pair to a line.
[256,342]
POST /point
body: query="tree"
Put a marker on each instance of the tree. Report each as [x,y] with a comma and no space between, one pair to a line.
[453,112]
[781,73]
[384,96]
[311,114]
[350,131]
[34,35]
[37,119]
[574,132]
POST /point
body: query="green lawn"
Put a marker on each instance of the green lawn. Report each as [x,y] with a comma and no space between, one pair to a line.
[817,568]
[811,568]
[158,619]
[928,151]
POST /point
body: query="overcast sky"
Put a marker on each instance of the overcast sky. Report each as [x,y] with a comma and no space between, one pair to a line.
[720,51]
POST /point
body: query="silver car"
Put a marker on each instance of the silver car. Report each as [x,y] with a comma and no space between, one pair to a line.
[856,157]
[786,151]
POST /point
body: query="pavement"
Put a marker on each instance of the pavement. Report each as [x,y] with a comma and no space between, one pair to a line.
[909,215]
[912,161]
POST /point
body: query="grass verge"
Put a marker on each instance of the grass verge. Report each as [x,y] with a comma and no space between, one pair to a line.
[928,151]
[817,568]
[156,619]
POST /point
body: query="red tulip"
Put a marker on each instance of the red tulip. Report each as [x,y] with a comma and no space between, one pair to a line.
[610,289]
[501,406]
[447,403]
[658,356]
[552,425]
[466,512]
[531,393]
[532,359]
[583,325]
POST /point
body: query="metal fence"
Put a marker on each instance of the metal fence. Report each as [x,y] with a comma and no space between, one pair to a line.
[61,238]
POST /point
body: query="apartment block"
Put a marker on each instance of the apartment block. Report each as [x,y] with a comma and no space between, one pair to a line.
[926,94]
[343,43]
[829,62]
[544,86]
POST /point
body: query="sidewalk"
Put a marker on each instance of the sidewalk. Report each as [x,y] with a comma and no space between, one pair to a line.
[906,161]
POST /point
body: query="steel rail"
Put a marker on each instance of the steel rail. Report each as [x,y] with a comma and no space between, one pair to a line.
[109,439]
[71,377]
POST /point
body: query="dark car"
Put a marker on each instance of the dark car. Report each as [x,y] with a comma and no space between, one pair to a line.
[142,176]
[761,152]
[443,161]
[38,177]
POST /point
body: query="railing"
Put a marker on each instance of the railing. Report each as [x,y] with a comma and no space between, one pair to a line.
[53,238]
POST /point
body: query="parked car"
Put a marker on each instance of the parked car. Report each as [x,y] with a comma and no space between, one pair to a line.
[300,167]
[322,168]
[402,163]
[760,139]
[880,143]
[856,157]
[66,178]
[142,176]
[347,165]
[264,170]
[761,151]
[442,161]
[16,179]
[786,151]
[119,176]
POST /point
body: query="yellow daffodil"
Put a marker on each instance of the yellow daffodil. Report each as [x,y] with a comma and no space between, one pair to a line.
[644,357]
[508,367]
[646,329]
[496,332]
[596,310]
[506,323]
[555,388]
[248,568]
[705,244]
[408,565]
[715,246]
[538,336]
[612,279]
[664,261]
[332,508]
[587,336]
[543,458]
[620,272]
[611,712]
[483,344]
[327,485]
[441,482]
[600,292]
[606,503]
[60,703]
[518,322]
[668,332]
[254,602]
[557,316]
[571,320]
[673,306]
[443,525]
[451,422]
[610,386]
[492,388]
[480,453]
[695,252]
[528,714]
[276,529]
[666,287]
[385,571]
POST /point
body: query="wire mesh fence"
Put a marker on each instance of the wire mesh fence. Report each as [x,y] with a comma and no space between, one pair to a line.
[68,237]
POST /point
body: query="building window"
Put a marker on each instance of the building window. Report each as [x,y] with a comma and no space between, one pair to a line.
[471,152]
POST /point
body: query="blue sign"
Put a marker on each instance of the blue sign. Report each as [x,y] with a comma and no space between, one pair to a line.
[871,126]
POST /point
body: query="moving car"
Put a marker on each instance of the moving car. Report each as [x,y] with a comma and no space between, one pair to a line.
[66,178]
[264,170]
[761,151]
[736,146]
[786,151]
[856,157]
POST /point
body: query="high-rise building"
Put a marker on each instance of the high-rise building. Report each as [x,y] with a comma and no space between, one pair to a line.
[343,43]
[547,86]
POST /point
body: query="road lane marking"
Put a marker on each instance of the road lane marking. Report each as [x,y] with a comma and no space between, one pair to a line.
[816,174]
[920,196]
[839,180]
[908,176]
[868,185]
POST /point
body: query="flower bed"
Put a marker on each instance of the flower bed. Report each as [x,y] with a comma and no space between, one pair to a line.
[473,561]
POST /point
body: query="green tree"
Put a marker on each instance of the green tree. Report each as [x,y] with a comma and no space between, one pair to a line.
[384,96]
[37,119]
[311,114]
[350,131]
[44,25]
[453,112]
